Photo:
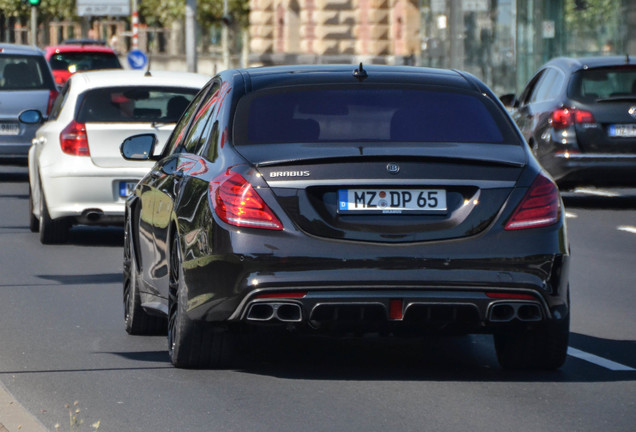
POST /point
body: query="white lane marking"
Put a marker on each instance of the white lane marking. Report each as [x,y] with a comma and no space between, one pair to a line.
[627,228]
[569,215]
[598,192]
[599,361]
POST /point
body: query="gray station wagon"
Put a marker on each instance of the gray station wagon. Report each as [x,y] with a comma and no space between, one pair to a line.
[26,82]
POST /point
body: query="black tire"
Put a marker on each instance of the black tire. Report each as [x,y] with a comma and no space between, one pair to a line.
[34,223]
[136,320]
[193,344]
[52,231]
[542,347]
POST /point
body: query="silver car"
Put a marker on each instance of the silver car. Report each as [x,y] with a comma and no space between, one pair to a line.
[26,82]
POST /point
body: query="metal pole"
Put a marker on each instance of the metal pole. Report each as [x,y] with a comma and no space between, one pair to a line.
[135,25]
[34,25]
[190,35]
[225,37]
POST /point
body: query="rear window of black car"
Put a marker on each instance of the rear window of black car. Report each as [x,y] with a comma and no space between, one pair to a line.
[603,83]
[368,114]
[134,104]
[24,72]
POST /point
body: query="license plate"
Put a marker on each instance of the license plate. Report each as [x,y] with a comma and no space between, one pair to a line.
[126,188]
[9,129]
[622,131]
[392,201]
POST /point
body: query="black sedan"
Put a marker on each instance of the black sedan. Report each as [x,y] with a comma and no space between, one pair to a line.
[579,117]
[345,200]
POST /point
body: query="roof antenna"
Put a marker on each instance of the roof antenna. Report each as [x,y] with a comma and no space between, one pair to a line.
[148,69]
[360,73]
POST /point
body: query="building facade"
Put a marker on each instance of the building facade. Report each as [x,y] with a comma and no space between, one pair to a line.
[501,41]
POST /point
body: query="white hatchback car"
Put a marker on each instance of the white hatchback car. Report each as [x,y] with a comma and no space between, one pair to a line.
[76,172]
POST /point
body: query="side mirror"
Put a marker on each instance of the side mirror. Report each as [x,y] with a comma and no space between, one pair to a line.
[508,100]
[139,147]
[31,117]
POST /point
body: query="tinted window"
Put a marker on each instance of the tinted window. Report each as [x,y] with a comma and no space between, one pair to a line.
[59,101]
[196,136]
[175,143]
[548,86]
[602,83]
[24,73]
[369,114]
[74,62]
[134,104]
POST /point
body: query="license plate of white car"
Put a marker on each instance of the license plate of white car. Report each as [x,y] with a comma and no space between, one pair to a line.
[126,188]
[622,130]
[392,201]
[9,129]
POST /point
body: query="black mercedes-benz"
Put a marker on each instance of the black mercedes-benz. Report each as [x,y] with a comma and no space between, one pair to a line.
[346,200]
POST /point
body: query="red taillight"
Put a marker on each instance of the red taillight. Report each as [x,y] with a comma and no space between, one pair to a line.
[236,202]
[52,96]
[73,139]
[540,206]
[565,117]
[288,295]
[396,311]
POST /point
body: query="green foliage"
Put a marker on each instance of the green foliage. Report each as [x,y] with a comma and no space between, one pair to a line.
[593,26]
[152,12]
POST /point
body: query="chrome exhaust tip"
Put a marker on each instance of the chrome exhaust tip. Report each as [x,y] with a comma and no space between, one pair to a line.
[260,312]
[506,312]
[266,311]
[289,312]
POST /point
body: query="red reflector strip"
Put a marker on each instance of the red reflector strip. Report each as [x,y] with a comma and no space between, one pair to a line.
[509,296]
[396,309]
[281,295]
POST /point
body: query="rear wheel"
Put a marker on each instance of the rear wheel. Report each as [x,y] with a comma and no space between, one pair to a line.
[52,231]
[191,343]
[542,347]
[136,320]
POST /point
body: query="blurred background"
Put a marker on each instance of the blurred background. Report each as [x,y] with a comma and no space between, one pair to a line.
[500,41]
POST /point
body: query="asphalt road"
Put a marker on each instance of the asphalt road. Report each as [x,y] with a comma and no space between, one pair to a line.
[62,341]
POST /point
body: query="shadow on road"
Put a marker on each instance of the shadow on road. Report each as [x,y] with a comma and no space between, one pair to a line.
[14,174]
[622,202]
[435,359]
[84,235]
[91,279]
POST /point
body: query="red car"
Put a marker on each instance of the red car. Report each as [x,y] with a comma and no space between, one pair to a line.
[67,59]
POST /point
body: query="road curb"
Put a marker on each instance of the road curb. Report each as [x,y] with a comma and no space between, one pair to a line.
[14,417]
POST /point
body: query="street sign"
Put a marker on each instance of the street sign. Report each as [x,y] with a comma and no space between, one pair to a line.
[102,8]
[137,59]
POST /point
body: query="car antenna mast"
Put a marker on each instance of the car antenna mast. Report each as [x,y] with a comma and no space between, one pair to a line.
[148,68]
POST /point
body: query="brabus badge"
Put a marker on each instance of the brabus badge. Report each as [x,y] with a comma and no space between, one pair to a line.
[393,168]
[632,111]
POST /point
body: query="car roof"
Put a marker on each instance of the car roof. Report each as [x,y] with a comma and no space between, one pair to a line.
[272,76]
[577,63]
[55,49]
[110,78]
[7,48]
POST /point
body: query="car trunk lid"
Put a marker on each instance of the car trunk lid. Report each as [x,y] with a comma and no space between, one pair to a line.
[467,183]
[105,139]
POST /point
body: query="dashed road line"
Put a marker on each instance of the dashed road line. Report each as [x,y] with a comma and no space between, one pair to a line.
[597,192]
[599,361]
[570,215]
[627,228]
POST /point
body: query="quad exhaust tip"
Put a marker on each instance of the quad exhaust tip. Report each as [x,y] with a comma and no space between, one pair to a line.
[506,312]
[275,311]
